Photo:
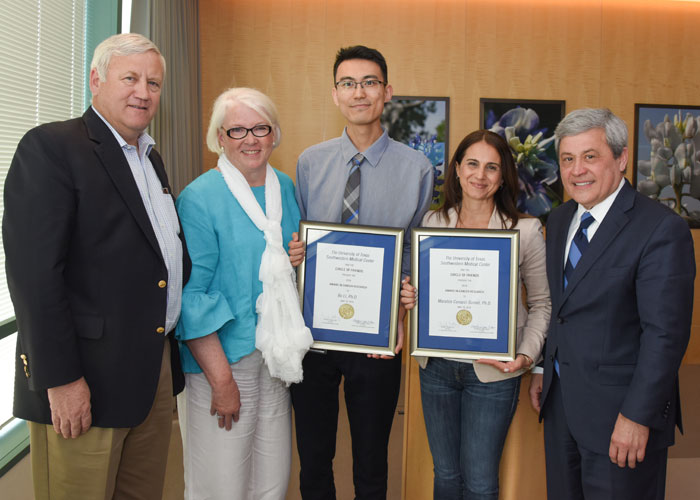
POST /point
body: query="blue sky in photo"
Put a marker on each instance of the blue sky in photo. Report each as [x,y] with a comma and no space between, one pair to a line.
[434,119]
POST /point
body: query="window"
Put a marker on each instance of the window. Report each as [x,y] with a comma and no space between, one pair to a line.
[43,61]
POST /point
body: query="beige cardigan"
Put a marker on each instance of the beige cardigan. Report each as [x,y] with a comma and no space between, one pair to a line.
[533,320]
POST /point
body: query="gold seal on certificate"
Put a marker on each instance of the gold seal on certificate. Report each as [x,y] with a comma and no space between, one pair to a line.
[464,317]
[346,311]
[348,288]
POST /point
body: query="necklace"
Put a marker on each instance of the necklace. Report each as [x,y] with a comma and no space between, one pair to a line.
[480,224]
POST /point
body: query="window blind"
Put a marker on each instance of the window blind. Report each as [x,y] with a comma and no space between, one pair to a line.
[43,65]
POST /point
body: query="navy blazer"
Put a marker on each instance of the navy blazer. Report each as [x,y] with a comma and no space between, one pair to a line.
[622,325]
[83,268]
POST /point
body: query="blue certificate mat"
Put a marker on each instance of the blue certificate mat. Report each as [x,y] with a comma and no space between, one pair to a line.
[468,284]
[349,284]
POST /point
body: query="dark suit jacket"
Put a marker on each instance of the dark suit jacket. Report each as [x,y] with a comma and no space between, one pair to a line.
[622,325]
[83,267]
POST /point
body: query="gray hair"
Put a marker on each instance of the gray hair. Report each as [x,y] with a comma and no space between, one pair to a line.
[252,98]
[585,119]
[124,44]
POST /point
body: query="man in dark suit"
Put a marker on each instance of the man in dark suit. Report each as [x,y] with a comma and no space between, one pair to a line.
[95,265]
[621,269]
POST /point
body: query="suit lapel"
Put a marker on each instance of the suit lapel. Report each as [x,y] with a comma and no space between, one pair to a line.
[614,221]
[558,247]
[114,162]
[159,169]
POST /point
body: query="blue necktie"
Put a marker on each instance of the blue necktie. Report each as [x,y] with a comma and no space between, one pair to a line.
[351,198]
[578,245]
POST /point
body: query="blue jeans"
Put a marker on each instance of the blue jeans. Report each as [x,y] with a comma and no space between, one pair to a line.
[467,422]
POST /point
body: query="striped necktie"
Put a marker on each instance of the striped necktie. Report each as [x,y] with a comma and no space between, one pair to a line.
[351,199]
[578,245]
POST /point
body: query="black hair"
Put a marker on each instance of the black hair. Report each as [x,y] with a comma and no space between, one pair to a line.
[360,52]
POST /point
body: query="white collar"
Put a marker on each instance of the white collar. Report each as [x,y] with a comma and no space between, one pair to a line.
[145,141]
[600,210]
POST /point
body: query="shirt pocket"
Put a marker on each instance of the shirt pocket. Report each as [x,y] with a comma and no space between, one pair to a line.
[168,207]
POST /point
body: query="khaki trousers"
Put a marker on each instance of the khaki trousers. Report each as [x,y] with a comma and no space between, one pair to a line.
[107,463]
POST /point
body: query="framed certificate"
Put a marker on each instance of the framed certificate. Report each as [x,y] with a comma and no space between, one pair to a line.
[349,286]
[468,284]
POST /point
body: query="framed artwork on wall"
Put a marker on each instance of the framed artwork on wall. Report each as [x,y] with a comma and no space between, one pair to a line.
[666,162]
[423,124]
[528,127]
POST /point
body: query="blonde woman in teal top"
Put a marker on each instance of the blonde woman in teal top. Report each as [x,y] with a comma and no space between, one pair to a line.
[220,295]
[235,417]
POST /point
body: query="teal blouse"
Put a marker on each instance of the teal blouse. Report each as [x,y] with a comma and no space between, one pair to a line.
[225,248]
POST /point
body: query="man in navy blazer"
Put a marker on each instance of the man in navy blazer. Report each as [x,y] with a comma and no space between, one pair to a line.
[95,264]
[620,322]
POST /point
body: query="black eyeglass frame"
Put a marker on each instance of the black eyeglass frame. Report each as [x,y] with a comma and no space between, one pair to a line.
[362,83]
[247,131]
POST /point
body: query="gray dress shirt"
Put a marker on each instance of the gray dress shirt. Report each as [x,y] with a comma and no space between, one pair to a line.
[395,190]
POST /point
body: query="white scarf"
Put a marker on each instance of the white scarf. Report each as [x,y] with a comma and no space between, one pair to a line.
[281,334]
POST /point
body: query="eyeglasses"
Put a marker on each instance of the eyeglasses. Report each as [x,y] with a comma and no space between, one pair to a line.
[365,84]
[241,132]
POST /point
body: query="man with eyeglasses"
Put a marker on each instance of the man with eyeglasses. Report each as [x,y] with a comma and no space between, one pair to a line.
[361,177]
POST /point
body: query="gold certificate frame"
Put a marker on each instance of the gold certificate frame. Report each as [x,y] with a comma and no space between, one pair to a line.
[349,284]
[467,284]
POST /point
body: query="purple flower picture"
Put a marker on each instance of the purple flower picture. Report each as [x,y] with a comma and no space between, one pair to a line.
[528,127]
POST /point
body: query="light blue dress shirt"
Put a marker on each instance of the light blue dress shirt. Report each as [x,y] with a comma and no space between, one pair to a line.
[396,184]
[161,212]
[226,248]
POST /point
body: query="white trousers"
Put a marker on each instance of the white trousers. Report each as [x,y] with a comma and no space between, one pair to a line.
[253,459]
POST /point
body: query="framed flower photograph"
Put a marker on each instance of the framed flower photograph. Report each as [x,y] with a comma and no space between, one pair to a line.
[528,127]
[423,124]
[666,162]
